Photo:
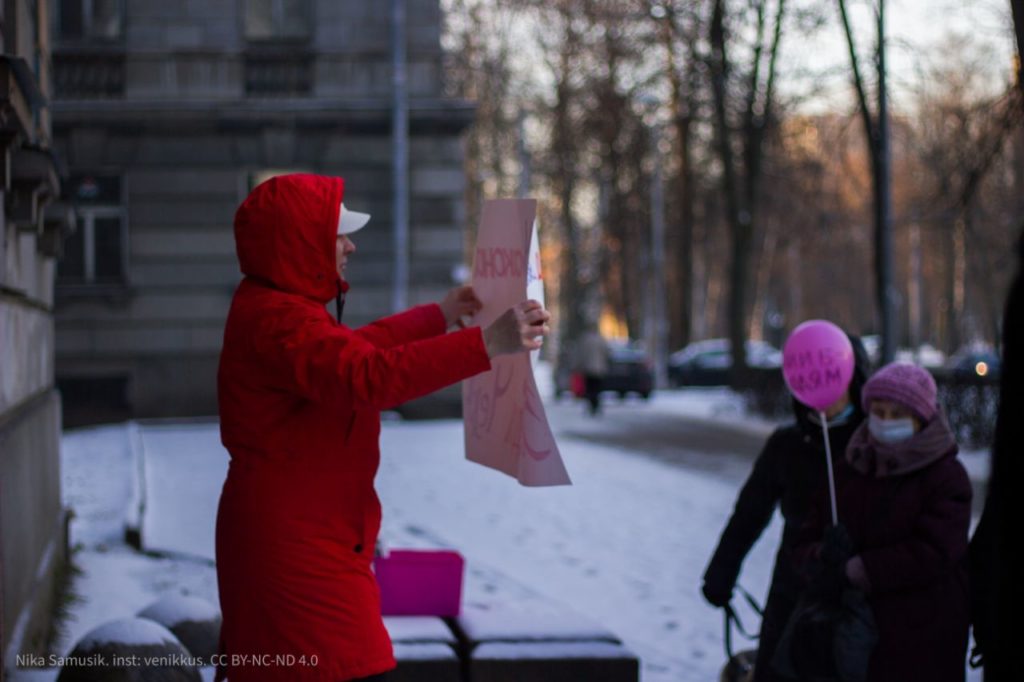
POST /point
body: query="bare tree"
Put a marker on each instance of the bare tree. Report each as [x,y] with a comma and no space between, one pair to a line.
[562,55]
[740,147]
[479,68]
[679,33]
[961,140]
[617,139]
[876,130]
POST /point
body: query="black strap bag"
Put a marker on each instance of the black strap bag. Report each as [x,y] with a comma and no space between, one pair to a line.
[828,640]
[739,666]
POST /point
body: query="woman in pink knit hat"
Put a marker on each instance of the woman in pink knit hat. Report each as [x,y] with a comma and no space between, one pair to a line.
[904,501]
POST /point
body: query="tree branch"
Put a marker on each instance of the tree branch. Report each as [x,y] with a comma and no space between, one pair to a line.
[719,78]
[749,122]
[1018,23]
[1009,119]
[858,82]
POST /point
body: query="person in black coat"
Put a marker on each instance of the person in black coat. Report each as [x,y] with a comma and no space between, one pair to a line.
[904,505]
[787,473]
[997,591]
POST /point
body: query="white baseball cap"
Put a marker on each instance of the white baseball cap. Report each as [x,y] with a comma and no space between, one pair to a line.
[351,221]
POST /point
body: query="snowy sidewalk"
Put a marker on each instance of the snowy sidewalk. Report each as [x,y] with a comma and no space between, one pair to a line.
[624,546]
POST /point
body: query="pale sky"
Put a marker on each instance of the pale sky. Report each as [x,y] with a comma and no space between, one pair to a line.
[916,29]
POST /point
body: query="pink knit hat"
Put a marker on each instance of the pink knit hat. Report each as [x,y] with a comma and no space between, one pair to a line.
[905,384]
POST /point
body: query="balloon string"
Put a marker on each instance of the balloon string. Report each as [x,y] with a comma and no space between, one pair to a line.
[828,464]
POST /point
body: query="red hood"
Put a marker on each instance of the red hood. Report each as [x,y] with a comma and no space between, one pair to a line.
[285,233]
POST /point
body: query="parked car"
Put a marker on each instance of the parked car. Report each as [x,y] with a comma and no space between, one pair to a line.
[975,362]
[630,370]
[926,355]
[708,362]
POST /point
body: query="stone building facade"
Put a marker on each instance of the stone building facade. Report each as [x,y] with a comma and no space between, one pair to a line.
[33,539]
[167,112]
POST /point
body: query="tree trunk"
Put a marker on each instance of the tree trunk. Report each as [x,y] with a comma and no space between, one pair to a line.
[741,207]
[563,146]
[954,319]
[876,133]
[681,296]
[764,273]
[737,216]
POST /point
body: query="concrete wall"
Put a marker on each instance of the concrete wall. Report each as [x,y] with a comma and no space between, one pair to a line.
[32,537]
[195,49]
[185,139]
[34,548]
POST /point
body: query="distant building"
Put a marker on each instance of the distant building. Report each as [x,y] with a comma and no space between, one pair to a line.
[33,541]
[167,114]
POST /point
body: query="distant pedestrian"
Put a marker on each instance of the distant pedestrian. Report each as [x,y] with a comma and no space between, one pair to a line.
[300,398]
[787,473]
[594,364]
[904,504]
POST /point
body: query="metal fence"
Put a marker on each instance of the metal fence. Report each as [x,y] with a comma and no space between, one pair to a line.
[970,402]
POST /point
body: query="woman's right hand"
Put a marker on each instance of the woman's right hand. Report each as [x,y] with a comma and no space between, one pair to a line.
[520,328]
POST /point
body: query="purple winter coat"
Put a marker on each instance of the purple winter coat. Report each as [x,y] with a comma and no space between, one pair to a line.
[908,512]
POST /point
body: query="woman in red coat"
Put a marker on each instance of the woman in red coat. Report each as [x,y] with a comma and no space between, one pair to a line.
[300,398]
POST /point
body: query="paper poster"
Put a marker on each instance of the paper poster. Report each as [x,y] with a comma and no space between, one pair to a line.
[504,420]
[534,280]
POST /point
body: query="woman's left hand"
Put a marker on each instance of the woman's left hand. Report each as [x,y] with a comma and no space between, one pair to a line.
[459,302]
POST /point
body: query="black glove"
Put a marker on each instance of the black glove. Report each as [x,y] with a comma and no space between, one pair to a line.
[717,595]
[836,550]
[836,546]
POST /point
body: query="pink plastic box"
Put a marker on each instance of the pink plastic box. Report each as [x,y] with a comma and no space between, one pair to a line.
[417,582]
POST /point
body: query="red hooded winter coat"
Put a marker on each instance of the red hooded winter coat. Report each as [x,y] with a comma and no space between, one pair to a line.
[300,399]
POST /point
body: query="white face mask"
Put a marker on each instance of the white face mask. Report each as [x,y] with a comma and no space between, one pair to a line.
[890,430]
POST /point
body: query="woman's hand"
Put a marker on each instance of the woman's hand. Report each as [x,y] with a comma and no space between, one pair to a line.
[459,302]
[520,328]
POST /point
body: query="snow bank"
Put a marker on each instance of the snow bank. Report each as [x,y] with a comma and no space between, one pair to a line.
[423,652]
[175,609]
[542,620]
[185,467]
[418,629]
[129,632]
[97,468]
[548,650]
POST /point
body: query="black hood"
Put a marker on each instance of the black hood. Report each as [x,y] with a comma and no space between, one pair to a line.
[861,372]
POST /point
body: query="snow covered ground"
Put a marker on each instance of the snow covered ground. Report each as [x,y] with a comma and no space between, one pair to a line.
[625,545]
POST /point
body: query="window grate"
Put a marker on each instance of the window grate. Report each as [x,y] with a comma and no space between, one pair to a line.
[88,76]
[278,75]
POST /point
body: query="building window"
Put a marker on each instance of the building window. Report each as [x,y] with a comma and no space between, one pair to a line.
[83,74]
[88,62]
[278,62]
[275,74]
[96,252]
[277,20]
[259,177]
[90,20]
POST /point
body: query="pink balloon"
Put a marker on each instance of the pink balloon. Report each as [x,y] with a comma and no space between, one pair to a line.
[817,362]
